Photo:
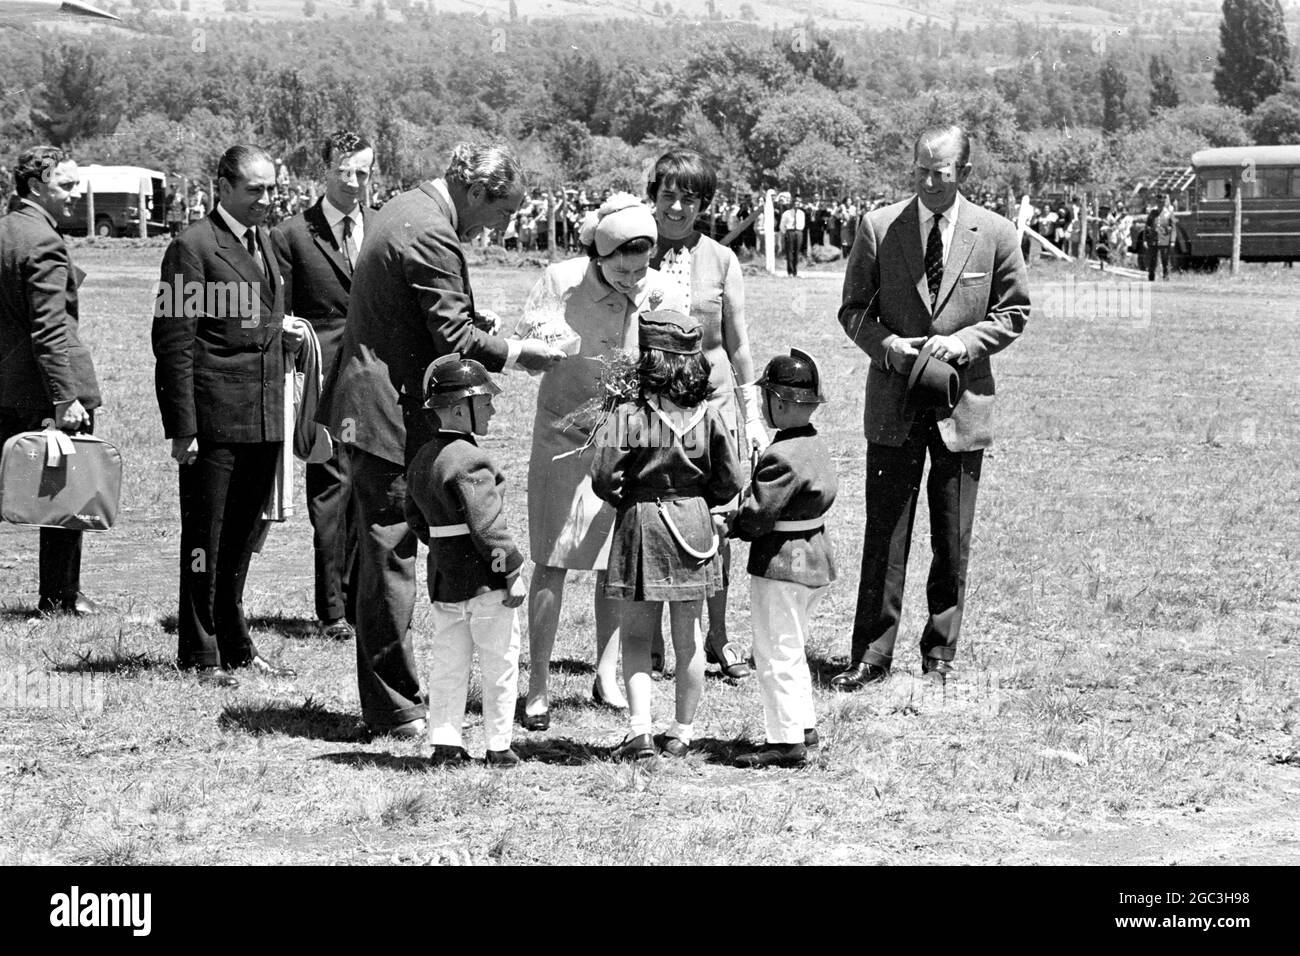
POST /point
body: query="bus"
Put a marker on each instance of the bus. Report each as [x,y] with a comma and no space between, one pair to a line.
[117,201]
[1270,206]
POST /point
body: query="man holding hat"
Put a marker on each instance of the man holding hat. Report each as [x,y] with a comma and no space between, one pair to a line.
[935,285]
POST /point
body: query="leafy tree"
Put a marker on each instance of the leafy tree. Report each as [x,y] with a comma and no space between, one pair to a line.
[309,8]
[808,115]
[1114,88]
[1254,54]
[571,144]
[815,58]
[816,168]
[1164,86]
[1276,121]
[79,97]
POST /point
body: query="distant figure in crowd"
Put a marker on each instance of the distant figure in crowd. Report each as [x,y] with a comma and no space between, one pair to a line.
[219,379]
[937,277]
[411,302]
[792,224]
[1166,226]
[317,252]
[45,370]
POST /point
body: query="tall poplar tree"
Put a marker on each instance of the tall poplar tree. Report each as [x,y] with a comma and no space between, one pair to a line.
[1254,53]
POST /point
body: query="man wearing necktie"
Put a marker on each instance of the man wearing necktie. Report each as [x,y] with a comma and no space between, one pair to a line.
[316,251]
[932,270]
[219,343]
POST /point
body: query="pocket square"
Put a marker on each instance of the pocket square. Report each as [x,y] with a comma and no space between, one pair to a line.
[973,275]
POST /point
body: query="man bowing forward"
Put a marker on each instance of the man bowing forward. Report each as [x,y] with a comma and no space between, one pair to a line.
[938,273]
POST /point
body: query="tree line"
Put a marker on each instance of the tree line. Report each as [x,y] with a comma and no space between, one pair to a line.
[809,110]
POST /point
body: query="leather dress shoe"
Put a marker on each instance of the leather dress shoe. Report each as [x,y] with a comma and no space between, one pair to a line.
[337,631]
[536,722]
[672,746]
[810,739]
[216,677]
[936,668]
[859,676]
[774,755]
[639,748]
[264,667]
[599,697]
[407,730]
[450,757]
[503,759]
[730,658]
[79,605]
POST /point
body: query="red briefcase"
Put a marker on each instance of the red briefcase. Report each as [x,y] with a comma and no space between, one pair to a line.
[50,479]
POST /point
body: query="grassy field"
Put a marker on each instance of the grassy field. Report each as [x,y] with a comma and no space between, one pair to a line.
[1128,688]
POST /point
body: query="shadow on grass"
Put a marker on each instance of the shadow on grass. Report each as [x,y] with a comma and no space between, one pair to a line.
[825,668]
[112,662]
[295,628]
[570,666]
[22,614]
[561,751]
[405,763]
[309,719]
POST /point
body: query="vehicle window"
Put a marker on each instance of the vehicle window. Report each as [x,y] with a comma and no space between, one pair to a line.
[1273,183]
[1216,187]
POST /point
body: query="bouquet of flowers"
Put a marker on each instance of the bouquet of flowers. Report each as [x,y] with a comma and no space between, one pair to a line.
[544,320]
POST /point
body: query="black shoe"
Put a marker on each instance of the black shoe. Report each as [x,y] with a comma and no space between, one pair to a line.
[774,755]
[639,748]
[446,756]
[656,667]
[264,667]
[810,739]
[216,677]
[599,697]
[78,605]
[502,759]
[339,630]
[940,670]
[859,676]
[672,746]
[540,721]
[731,659]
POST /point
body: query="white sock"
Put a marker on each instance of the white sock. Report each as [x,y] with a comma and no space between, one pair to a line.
[683,732]
[640,725]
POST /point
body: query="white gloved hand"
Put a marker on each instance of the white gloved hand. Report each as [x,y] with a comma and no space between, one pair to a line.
[750,403]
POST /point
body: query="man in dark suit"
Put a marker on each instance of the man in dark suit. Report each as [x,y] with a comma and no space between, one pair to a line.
[317,252]
[411,302]
[219,344]
[941,271]
[45,371]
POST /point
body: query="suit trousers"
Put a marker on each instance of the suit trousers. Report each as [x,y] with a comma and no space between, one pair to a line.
[334,538]
[223,494]
[459,627]
[893,485]
[387,681]
[779,614]
[60,550]
[793,240]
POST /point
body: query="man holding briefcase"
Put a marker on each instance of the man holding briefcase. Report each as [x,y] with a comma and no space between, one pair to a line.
[45,371]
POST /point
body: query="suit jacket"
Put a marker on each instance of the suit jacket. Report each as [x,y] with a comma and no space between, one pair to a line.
[453,481]
[317,281]
[411,302]
[42,359]
[983,300]
[794,480]
[217,338]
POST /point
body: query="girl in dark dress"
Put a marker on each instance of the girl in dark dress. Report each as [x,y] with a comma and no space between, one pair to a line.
[664,460]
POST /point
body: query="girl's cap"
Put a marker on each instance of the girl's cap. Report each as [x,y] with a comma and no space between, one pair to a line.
[670,331]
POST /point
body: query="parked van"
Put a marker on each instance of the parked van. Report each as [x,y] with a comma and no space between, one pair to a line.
[117,201]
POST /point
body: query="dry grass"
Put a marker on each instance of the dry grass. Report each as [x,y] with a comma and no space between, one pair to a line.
[1127,670]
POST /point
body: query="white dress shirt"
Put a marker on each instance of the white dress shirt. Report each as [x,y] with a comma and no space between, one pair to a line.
[792,219]
[239,229]
[946,228]
[335,216]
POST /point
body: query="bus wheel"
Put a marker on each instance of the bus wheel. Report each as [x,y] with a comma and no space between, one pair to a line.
[104,228]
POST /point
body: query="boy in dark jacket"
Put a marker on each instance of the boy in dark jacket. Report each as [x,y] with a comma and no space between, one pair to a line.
[454,504]
[790,559]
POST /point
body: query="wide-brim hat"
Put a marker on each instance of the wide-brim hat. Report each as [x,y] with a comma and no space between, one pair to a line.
[669,331]
[933,383]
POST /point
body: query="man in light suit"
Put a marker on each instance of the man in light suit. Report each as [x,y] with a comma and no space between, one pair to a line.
[317,252]
[941,271]
[219,343]
[45,370]
[411,302]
